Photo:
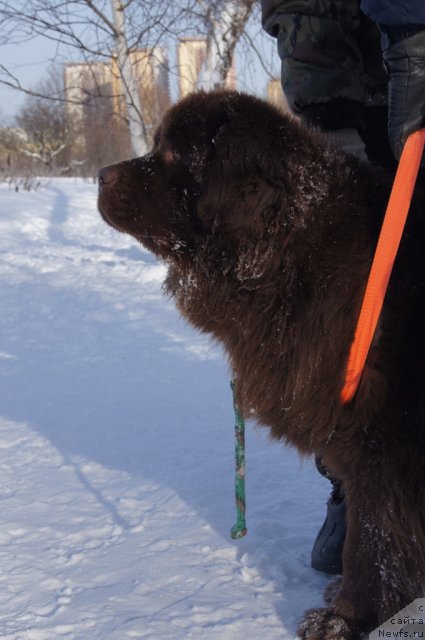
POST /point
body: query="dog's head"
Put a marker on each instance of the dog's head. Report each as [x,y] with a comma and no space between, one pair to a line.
[218,167]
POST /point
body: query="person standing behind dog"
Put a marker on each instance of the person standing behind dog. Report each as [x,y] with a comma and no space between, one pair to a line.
[356,70]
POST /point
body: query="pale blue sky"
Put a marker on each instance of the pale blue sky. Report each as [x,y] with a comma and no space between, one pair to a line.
[28,61]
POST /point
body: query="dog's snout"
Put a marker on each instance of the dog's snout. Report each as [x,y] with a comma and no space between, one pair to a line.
[108,175]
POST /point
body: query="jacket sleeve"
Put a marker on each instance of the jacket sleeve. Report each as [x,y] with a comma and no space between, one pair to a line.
[394,12]
[405,62]
[321,45]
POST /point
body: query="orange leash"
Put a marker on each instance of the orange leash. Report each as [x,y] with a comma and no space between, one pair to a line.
[386,251]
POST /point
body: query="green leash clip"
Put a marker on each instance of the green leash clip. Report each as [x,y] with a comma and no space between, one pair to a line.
[239,530]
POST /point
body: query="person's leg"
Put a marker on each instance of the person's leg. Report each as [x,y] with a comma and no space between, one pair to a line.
[327,551]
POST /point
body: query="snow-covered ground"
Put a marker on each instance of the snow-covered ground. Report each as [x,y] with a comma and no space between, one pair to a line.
[116,452]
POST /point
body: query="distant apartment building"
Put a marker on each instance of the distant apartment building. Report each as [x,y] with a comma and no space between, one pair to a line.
[95,93]
[191,55]
[99,85]
[85,84]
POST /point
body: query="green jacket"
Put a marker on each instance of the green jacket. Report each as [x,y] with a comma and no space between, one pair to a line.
[330,51]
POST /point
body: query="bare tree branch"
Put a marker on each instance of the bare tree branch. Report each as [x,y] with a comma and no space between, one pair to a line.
[102,16]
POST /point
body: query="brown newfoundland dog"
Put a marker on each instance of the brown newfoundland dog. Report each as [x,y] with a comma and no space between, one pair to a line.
[269,235]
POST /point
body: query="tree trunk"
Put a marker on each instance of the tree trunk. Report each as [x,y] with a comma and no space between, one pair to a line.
[129,82]
[225,29]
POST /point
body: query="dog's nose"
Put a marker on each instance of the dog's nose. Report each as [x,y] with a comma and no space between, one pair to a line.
[108,175]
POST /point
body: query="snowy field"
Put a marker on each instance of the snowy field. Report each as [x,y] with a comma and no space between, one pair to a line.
[116,452]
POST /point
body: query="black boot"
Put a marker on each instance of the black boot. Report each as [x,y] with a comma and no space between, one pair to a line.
[327,550]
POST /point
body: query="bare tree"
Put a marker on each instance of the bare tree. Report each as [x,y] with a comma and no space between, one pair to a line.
[98,30]
[225,23]
[45,131]
[113,31]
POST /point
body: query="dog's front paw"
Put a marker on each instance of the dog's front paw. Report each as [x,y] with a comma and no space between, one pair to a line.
[323,624]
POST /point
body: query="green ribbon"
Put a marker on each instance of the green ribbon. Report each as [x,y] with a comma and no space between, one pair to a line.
[239,529]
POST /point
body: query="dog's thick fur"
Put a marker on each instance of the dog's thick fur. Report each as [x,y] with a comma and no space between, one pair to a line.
[269,237]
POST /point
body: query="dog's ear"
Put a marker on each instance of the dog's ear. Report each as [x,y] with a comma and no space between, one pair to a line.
[244,191]
[244,182]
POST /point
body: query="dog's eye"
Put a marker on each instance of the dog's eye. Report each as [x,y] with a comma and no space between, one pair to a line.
[171,156]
